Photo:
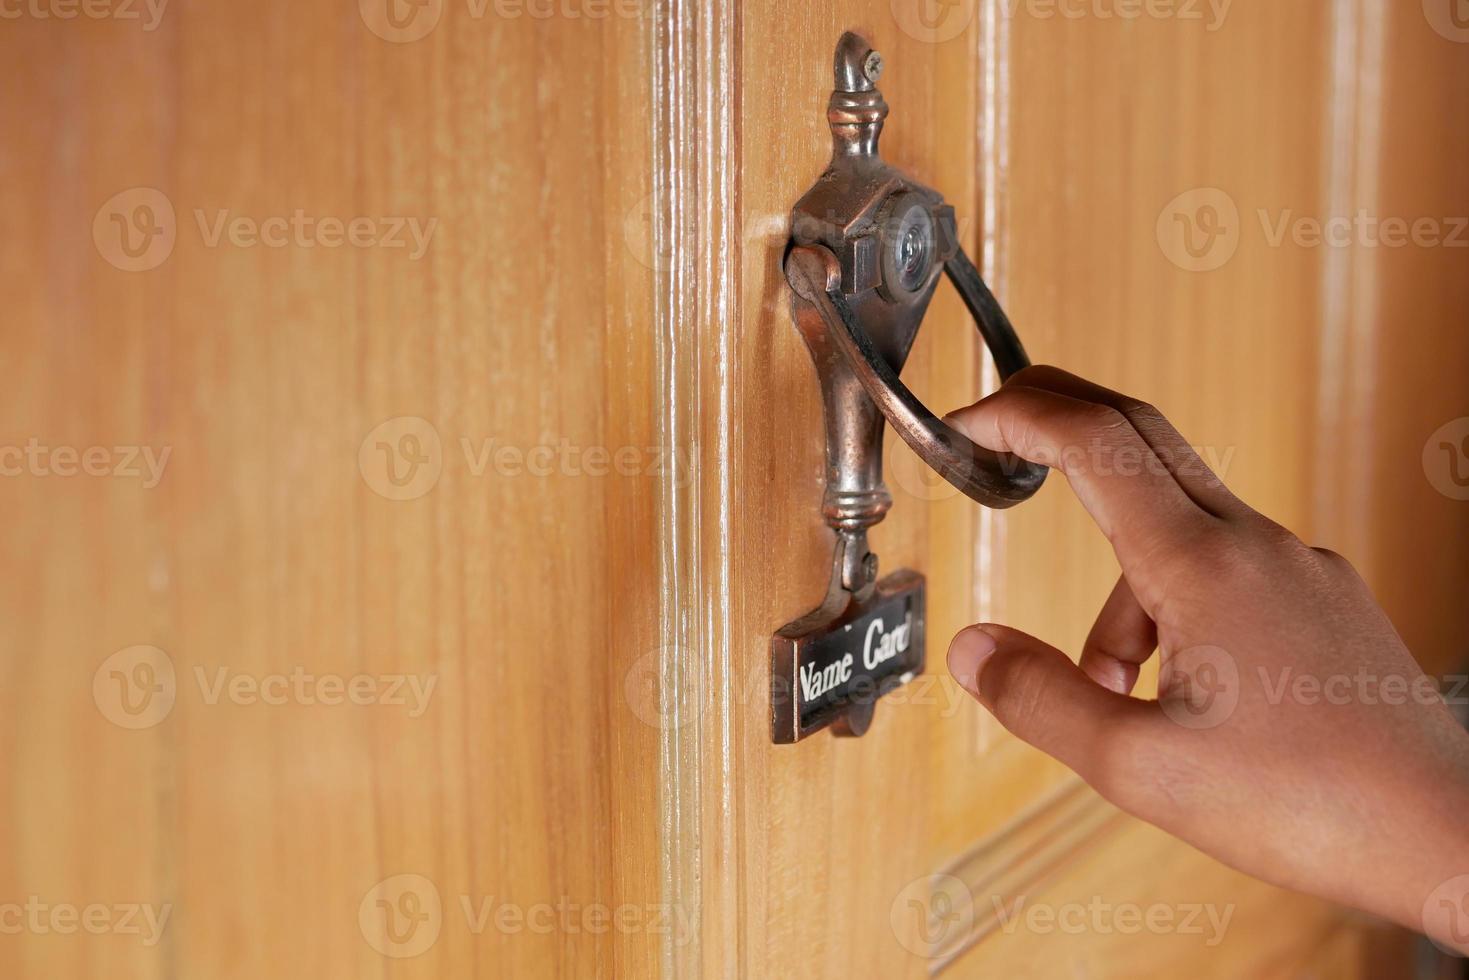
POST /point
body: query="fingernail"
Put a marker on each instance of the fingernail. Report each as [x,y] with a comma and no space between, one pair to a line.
[967,655]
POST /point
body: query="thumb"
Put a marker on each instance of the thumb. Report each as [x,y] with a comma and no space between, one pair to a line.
[1043,698]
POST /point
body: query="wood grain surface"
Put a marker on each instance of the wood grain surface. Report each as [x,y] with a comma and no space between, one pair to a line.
[456,457]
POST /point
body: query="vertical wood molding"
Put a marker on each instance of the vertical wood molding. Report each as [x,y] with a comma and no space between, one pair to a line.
[1343,471]
[695,219]
[992,132]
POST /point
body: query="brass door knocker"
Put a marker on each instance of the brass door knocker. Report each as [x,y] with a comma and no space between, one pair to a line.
[868,245]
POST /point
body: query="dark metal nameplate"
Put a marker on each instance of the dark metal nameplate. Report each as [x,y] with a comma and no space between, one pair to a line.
[829,667]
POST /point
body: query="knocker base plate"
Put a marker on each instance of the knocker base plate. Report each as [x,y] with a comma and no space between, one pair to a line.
[829,667]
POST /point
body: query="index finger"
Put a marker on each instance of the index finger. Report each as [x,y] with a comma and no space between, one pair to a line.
[1118,478]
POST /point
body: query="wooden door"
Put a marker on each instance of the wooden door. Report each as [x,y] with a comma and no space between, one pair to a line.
[458,457]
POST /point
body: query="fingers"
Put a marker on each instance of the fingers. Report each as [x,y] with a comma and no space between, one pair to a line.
[1040,696]
[1121,641]
[1201,483]
[1133,498]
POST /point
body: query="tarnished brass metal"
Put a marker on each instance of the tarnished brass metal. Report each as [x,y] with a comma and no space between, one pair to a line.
[868,245]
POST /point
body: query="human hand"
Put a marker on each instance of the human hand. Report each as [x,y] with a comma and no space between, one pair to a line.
[1294,737]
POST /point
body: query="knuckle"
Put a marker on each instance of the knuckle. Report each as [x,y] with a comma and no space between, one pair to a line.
[1333,560]
[1149,422]
[1210,557]
[1031,374]
[1102,424]
[1141,412]
[1213,549]
[1272,535]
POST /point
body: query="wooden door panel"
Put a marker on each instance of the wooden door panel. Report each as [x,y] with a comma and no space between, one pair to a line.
[609,197]
[526,591]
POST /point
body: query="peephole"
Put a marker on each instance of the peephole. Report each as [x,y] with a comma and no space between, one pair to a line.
[910,247]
